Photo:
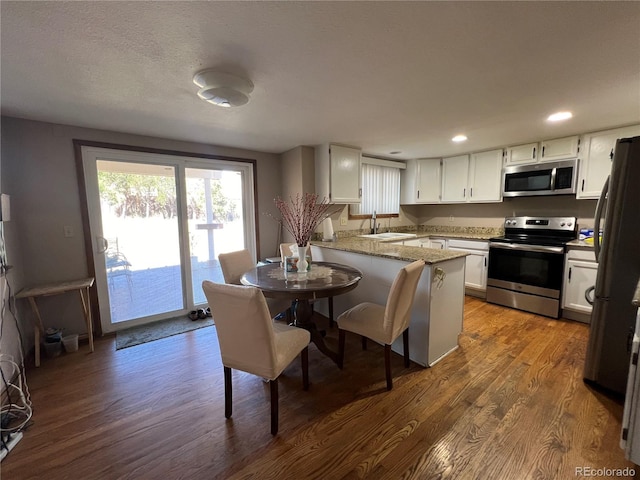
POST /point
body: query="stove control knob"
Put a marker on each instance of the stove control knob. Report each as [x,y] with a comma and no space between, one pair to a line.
[562,224]
[569,224]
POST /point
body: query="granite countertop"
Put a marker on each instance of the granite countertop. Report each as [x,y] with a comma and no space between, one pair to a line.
[387,249]
[636,296]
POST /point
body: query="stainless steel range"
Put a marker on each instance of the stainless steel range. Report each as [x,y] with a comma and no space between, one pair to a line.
[526,265]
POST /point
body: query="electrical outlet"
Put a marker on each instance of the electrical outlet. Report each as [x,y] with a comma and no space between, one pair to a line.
[68,231]
[343,221]
[451,218]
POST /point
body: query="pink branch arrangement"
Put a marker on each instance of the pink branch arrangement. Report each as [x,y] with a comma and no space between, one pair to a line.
[302,215]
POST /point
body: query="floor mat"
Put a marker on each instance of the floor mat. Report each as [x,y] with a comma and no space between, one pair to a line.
[157,330]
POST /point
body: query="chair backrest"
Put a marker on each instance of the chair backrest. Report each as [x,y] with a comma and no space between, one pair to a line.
[397,314]
[285,251]
[243,325]
[234,264]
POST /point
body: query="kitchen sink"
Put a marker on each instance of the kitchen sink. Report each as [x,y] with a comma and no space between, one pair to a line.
[388,236]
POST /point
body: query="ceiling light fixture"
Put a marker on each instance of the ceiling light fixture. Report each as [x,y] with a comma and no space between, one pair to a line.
[459,138]
[559,116]
[222,89]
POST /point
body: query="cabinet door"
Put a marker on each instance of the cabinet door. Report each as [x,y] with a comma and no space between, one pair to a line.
[485,177]
[520,154]
[475,270]
[595,159]
[559,149]
[455,173]
[438,244]
[345,174]
[428,180]
[579,276]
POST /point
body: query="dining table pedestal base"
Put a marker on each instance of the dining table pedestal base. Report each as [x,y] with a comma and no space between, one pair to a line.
[304,319]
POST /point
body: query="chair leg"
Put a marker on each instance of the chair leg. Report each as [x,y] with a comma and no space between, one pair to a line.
[274,406]
[341,335]
[330,299]
[364,343]
[405,341]
[387,366]
[227,392]
[304,356]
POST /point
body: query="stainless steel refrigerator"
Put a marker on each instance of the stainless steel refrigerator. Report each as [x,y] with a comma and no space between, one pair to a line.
[618,256]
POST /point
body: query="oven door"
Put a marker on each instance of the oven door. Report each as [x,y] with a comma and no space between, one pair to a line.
[530,269]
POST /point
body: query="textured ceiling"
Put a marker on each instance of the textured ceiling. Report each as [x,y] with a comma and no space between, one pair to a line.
[383,76]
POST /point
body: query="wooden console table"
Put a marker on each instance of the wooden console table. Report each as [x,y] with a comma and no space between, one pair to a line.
[58,288]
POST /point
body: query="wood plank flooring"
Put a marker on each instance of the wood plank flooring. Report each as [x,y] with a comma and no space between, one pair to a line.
[510,403]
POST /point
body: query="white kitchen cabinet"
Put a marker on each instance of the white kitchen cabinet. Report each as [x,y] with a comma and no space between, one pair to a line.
[559,149]
[337,171]
[455,176]
[596,152]
[579,274]
[485,176]
[437,243]
[475,280]
[438,308]
[522,154]
[421,181]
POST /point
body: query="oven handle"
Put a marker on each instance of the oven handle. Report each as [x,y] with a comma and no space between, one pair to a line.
[528,248]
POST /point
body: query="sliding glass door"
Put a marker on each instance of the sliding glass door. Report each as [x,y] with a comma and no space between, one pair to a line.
[158,223]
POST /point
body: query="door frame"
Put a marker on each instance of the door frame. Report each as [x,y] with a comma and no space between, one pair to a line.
[199,159]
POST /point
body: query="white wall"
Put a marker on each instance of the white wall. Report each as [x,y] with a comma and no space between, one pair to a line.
[39,172]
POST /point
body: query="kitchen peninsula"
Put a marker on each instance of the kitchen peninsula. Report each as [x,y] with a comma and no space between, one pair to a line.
[436,319]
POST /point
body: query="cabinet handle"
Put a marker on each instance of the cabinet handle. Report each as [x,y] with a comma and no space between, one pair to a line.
[534,153]
[418,193]
[359,192]
[583,184]
[485,261]
[611,154]
[464,192]
[569,274]
[471,192]
[543,151]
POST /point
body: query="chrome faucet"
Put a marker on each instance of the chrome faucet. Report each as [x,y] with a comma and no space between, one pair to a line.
[375,225]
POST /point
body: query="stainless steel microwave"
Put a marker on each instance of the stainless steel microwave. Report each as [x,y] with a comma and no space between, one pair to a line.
[552,178]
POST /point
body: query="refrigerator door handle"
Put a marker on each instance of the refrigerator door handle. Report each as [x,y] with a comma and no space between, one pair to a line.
[588,294]
[598,217]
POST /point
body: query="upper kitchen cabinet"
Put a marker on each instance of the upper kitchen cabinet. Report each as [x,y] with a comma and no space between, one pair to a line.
[547,151]
[338,173]
[595,159]
[421,181]
[522,154]
[485,176]
[559,149]
[455,175]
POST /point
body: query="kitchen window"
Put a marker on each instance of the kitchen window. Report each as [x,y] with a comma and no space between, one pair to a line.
[380,188]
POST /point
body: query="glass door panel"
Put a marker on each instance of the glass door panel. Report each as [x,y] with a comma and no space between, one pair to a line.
[138,206]
[215,219]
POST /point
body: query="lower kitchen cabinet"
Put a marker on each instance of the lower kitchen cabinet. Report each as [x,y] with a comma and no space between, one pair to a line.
[475,272]
[579,274]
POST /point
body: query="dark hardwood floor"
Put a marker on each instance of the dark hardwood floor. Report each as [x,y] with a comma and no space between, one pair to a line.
[510,403]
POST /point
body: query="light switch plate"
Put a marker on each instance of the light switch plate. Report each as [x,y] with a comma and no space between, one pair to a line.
[68,231]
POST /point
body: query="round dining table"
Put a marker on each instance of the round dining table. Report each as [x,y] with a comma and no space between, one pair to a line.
[322,280]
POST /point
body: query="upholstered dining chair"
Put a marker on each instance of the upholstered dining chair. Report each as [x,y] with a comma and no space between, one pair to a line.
[234,264]
[285,251]
[251,342]
[384,323]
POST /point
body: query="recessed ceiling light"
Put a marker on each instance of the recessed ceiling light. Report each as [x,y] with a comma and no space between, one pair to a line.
[459,138]
[559,116]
